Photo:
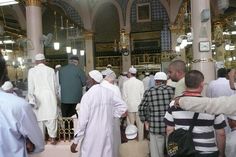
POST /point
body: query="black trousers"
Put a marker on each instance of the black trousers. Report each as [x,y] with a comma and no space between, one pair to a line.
[68,110]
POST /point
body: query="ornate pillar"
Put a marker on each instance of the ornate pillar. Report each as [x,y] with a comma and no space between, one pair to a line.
[34,27]
[202,55]
[126,59]
[89,51]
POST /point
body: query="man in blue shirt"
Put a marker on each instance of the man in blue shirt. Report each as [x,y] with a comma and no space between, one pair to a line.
[19,130]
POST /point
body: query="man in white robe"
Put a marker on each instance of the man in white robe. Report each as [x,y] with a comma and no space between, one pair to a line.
[108,82]
[98,106]
[42,94]
[230,147]
[19,131]
[133,90]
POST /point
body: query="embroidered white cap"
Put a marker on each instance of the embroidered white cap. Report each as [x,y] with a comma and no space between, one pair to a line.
[57,66]
[7,86]
[39,57]
[131,131]
[132,70]
[232,117]
[160,76]
[96,75]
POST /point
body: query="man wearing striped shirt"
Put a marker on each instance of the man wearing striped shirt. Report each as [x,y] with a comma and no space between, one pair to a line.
[152,110]
[206,142]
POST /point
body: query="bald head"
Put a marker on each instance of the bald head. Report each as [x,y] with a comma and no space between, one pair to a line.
[176,70]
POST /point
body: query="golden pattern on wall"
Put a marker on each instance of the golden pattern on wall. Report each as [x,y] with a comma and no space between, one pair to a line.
[105,60]
[142,59]
[103,47]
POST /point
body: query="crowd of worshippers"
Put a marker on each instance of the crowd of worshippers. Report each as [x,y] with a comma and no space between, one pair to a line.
[128,116]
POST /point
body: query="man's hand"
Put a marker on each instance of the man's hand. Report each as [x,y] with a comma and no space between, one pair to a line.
[146,124]
[73,148]
[176,104]
[29,146]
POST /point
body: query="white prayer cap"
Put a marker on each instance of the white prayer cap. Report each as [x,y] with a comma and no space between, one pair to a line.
[160,76]
[131,131]
[96,75]
[7,86]
[107,72]
[124,73]
[132,70]
[109,66]
[39,57]
[232,117]
[146,73]
[57,66]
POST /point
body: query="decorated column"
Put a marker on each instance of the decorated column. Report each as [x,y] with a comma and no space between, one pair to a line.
[34,27]
[89,51]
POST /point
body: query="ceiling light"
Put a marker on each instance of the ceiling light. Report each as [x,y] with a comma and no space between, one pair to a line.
[8,2]
[74,51]
[56,45]
[82,52]
[68,49]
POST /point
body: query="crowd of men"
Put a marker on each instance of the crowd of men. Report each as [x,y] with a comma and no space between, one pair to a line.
[148,102]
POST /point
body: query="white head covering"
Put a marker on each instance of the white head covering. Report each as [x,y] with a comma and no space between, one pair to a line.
[124,73]
[57,66]
[109,66]
[7,86]
[232,117]
[132,70]
[39,57]
[160,76]
[131,131]
[146,73]
[96,75]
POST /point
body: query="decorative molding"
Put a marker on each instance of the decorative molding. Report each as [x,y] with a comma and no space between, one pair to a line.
[88,35]
[33,3]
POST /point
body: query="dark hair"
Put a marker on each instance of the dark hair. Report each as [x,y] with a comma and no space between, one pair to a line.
[178,65]
[193,79]
[222,72]
[74,57]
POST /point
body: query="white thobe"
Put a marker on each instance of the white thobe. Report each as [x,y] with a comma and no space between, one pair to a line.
[146,81]
[41,86]
[116,125]
[17,122]
[230,147]
[121,81]
[133,90]
[97,108]
[219,87]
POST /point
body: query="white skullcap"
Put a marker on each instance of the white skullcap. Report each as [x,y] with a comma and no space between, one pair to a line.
[39,57]
[146,73]
[160,76]
[132,70]
[109,66]
[232,117]
[96,75]
[124,73]
[107,72]
[131,131]
[57,66]
[7,86]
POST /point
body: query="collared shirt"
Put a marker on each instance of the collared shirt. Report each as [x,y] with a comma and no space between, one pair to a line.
[17,122]
[154,106]
[180,87]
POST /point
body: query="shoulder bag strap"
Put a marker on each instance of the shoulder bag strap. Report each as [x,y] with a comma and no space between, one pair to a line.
[193,122]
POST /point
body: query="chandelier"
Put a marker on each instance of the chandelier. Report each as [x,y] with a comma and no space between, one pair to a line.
[123,45]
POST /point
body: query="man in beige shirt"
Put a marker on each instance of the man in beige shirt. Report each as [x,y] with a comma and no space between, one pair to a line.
[133,148]
[176,72]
